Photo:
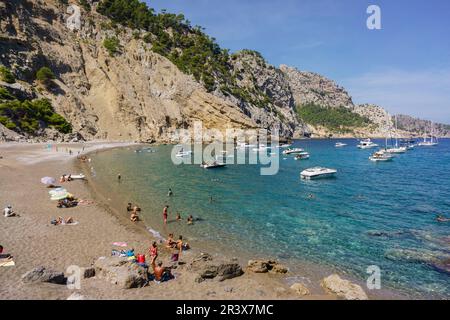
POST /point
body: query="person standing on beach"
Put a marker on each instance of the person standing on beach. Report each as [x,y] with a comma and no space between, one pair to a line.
[170,193]
[153,252]
[165,214]
[119,177]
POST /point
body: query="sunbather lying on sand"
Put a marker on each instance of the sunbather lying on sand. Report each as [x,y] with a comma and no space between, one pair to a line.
[67,203]
[61,220]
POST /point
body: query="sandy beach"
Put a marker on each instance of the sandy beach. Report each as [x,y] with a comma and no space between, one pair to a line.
[34,241]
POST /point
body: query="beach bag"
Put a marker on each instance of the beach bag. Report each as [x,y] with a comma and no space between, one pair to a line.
[141,258]
[174,257]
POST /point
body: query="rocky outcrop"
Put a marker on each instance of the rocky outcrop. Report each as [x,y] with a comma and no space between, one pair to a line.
[300,289]
[207,268]
[121,272]
[42,274]
[7,135]
[310,87]
[343,288]
[421,128]
[264,266]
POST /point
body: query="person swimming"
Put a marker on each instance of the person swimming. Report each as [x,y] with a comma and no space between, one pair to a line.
[170,193]
[441,218]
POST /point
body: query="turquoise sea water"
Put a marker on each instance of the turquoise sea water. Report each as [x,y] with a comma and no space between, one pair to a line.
[371,214]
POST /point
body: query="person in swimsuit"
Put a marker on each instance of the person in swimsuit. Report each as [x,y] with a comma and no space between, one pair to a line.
[170,193]
[153,252]
[158,270]
[190,219]
[169,242]
[129,207]
[179,217]
[134,216]
[440,218]
[165,214]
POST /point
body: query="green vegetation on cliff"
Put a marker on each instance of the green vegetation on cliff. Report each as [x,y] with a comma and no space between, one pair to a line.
[6,75]
[29,115]
[188,47]
[335,119]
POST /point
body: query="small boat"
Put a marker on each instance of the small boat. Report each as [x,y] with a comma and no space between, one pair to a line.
[366,144]
[213,165]
[340,144]
[293,151]
[302,156]
[286,145]
[182,153]
[380,156]
[397,150]
[318,172]
[433,141]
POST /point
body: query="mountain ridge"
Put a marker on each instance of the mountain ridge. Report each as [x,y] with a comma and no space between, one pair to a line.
[111,82]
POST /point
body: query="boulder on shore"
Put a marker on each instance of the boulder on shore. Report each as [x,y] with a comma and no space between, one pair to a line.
[42,274]
[343,288]
[121,272]
[207,268]
[300,289]
[264,266]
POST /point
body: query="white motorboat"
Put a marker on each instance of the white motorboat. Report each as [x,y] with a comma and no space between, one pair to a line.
[181,153]
[318,172]
[293,151]
[366,144]
[340,144]
[302,156]
[213,165]
[286,145]
[380,156]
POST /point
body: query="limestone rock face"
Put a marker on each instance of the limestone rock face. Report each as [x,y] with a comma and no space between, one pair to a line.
[121,272]
[343,288]
[42,274]
[309,87]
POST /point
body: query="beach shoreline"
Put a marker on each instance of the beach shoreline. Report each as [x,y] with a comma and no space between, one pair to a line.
[100,225]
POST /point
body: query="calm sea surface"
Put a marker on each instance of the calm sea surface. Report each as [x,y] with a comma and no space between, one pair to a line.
[371,214]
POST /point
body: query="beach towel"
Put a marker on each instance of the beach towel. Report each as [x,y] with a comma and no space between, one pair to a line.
[7,263]
[69,224]
[120,244]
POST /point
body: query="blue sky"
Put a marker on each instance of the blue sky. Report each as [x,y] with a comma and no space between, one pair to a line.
[404,67]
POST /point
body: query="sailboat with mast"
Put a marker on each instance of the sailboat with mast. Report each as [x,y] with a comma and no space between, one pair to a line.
[396,148]
[433,140]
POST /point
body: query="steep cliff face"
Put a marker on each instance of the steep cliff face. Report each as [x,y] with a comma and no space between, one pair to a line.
[421,127]
[309,87]
[270,102]
[131,92]
[134,95]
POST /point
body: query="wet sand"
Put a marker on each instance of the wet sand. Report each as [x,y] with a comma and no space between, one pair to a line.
[33,241]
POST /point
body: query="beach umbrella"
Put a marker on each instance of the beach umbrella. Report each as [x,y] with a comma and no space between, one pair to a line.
[48,180]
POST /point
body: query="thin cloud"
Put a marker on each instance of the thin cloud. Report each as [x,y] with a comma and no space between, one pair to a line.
[419,93]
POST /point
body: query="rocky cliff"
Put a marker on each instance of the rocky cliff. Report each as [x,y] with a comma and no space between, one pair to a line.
[120,82]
